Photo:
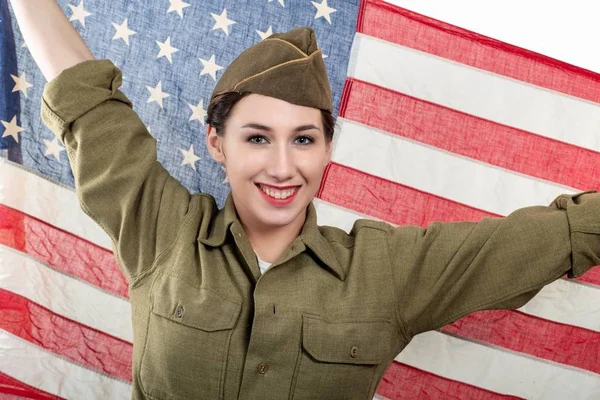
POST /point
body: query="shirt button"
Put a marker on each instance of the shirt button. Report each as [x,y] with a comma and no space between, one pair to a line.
[353,351]
[179,311]
[262,368]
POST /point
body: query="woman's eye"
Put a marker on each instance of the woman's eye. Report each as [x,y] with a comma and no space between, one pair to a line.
[304,140]
[256,139]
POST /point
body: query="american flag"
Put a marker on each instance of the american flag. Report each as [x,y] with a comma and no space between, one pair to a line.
[445,111]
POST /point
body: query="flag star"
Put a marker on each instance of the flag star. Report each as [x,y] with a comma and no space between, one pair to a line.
[21,83]
[123,32]
[177,5]
[24,45]
[79,13]
[222,22]
[54,148]
[12,129]
[226,180]
[189,158]
[266,34]
[323,10]
[279,1]
[156,94]
[198,112]
[210,67]
[166,49]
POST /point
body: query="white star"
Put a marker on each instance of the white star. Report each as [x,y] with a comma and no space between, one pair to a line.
[189,158]
[156,94]
[24,45]
[198,112]
[226,180]
[123,32]
[177,5]
[12,129]
[210,67]
[324,55]
[166,49]
[222,22]
[54,148]
[266,34]
[279,1]
[323,10]
[21,83]
[79,13]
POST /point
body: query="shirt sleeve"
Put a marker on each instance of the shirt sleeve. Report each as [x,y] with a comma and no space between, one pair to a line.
[118,180]
[448,270]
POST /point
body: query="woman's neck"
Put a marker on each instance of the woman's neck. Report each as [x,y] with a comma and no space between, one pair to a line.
[270,243]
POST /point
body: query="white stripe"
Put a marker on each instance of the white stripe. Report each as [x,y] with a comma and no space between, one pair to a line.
[50,202]
[569,303]
[44,370]
[530,24]
[379,397]
[66,296]
[476,92]
[561,301]
[333,215]
[498,370]
[439,172]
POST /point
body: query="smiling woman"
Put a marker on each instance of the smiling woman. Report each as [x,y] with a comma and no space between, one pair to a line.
[333,309]
[275,153]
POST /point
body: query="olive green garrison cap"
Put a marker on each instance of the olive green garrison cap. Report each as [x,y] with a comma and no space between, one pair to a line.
[287,66]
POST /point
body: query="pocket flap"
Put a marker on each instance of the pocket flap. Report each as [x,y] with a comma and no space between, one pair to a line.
[200,308]
[358,342]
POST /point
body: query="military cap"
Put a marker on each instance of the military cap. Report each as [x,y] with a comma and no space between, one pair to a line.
[288,66]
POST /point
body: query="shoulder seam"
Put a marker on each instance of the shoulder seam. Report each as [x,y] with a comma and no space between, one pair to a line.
[401,325]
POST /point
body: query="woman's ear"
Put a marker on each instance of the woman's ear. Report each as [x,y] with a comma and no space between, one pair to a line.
[214,143]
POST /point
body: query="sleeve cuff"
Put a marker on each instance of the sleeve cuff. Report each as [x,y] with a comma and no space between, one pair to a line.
[583,214]
[77,90]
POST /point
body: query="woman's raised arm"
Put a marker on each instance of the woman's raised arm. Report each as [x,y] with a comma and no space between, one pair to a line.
[119,182]
[53,42]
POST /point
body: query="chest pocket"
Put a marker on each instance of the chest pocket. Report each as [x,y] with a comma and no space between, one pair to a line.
[189,330]
[339,359]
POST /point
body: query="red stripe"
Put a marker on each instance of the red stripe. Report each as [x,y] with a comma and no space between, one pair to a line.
[405,382]
[514,330]
[390,201]
[470,136]
[64,337]
[398,25]
[62,250]
[399,204]
[591,276]
[19,390]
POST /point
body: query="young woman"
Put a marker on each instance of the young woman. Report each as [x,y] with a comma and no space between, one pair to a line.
[256,301]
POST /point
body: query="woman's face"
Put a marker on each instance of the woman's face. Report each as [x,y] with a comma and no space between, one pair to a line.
[275,155]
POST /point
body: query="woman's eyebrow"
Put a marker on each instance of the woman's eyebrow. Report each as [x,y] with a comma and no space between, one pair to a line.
[269,129]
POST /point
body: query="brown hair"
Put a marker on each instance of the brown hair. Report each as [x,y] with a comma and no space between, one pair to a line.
[220,108]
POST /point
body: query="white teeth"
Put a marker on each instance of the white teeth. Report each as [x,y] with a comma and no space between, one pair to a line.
[278,194]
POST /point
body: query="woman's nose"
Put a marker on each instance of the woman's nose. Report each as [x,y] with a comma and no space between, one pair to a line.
[281,163]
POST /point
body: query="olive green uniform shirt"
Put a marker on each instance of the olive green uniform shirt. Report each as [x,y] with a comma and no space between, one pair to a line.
[327,318]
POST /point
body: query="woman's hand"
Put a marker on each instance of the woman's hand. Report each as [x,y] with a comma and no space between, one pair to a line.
[54,43]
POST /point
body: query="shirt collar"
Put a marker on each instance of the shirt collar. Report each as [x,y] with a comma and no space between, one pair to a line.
[310,235]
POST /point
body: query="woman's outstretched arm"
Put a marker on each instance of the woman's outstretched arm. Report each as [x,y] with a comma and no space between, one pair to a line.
[53,42]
